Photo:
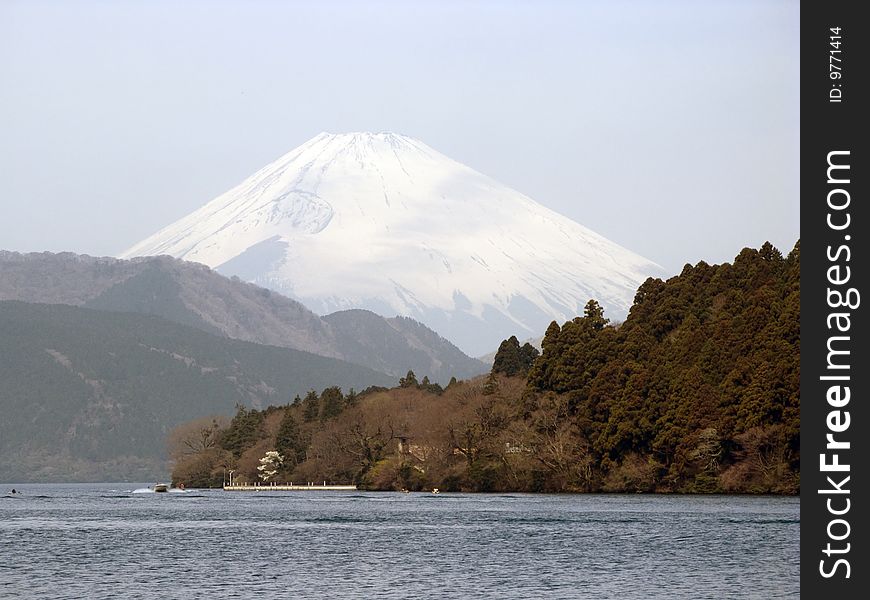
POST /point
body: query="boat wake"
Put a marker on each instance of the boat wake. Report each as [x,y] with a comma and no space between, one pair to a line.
[153,491]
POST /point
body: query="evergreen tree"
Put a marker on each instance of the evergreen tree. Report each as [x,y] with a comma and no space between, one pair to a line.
[432,388]
[507,358]
[594,315]
[409,380]
[331,403]
[310,406]
[288,441]
[513,360]
[243,431]
[528,354]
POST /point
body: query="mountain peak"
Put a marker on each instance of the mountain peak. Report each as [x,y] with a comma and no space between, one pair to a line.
[365,139]
[384,222]
[384,146]
[348,136]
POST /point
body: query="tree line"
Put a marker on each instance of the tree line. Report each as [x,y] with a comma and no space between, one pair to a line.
[697,391]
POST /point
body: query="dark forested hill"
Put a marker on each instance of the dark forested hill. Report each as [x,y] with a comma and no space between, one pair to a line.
[697,391]
[701,384]
[87,394]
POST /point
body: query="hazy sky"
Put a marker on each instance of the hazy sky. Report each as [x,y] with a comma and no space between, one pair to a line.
[669,127]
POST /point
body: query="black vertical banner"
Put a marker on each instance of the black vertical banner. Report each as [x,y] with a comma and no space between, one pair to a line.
[835,370]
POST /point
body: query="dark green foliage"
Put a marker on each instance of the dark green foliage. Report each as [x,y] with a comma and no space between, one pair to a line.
[331,403]
[512,359]
[372,389]
[507,358]
[528,354]
[409,380]
[289,441]
[432,388]
[485,476]
[594,315]
[244,431]
[715,349]
[310,406]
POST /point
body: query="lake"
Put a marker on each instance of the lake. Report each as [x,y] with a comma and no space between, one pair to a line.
[104,541]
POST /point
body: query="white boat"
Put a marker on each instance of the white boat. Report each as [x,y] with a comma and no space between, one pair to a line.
[160,487]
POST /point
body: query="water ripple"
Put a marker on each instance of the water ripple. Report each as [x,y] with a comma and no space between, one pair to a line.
[98,542]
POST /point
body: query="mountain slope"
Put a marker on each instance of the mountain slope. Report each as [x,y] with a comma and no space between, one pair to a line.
[380,343]
[384,222]
[192,294]
[91,394]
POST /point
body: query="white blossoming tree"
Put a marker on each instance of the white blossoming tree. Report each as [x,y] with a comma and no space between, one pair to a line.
[269,465]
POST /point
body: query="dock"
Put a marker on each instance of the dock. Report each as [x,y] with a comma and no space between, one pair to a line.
[289,488]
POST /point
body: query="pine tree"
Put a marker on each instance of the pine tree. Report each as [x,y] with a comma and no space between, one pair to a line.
[528,354]
[243,430]
[288,441]
[331,403]
[311,406]
[513,360]
[432,388]
[409,380]
[507,358]
[594,315]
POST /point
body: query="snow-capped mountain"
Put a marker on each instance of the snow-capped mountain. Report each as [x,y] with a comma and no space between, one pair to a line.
[384,222]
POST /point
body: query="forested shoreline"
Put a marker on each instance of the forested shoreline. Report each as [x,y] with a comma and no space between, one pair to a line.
[697,391]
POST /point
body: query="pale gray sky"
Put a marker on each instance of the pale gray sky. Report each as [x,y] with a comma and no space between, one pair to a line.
[670,127]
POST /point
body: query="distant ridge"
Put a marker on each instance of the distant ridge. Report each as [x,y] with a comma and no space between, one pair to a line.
[194,295]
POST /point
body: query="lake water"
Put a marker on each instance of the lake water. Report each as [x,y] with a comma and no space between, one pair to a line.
[103,541]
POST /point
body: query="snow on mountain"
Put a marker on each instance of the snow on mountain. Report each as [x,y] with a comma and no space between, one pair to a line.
[384,222]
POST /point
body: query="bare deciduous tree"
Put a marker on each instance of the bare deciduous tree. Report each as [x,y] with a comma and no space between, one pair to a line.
[195,437]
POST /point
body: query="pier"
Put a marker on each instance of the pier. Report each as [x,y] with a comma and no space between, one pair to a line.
[288,488]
